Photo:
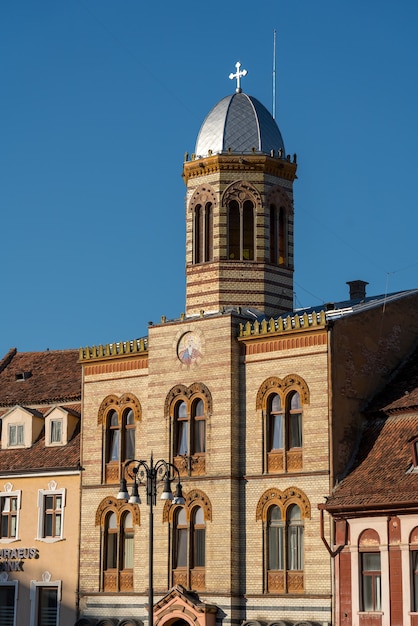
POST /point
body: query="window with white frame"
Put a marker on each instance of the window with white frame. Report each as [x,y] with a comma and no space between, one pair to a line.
[9,512]
[45,599]
[8,598]
[16,435]
[370,571]
[51,505]
[55,431]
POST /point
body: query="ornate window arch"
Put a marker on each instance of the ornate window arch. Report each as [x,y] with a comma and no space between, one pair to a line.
[281,402]
[188,532]
[117,519]
[242,201]
[280,210]
[283,514]
[189,409]
[118,417]
[202,205]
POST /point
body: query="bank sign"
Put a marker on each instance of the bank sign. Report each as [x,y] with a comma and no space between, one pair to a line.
[13,559]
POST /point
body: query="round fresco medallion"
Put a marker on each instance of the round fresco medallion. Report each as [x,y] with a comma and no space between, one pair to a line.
[189,349]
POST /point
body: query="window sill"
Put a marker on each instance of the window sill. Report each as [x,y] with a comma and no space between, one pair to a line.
[50,539]
[9,539]
[371,613]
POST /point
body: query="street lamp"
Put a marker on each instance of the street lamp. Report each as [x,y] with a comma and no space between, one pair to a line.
[150,474]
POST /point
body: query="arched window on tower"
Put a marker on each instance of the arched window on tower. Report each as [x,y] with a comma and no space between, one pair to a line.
[203,233]
[248,231]
[208,232]
[282,237]
[278,235]
[241,230]
[234,231]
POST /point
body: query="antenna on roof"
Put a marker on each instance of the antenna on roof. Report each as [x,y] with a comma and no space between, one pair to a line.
[274,74]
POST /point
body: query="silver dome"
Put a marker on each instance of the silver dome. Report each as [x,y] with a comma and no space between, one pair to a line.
[239,123]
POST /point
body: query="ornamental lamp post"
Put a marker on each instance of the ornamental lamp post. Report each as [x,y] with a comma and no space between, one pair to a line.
[150,475]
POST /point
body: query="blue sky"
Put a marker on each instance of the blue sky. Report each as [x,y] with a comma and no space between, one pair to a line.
[99,101]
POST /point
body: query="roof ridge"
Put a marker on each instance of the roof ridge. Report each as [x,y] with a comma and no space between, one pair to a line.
[7,358]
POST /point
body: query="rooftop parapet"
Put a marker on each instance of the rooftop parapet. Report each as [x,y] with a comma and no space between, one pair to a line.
[114,350]
[282,324]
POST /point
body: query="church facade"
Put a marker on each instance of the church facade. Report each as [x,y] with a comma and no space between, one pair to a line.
[255,405]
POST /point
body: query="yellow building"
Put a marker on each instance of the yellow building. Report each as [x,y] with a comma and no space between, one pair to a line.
[254,403]
[40,395]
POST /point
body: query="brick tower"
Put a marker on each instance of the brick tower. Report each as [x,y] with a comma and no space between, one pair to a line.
[239,211]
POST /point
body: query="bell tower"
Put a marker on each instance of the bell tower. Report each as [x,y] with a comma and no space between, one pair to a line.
[239,211]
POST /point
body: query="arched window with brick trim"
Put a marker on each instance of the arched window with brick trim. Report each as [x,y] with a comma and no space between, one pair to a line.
[281,402]
[119,417]
[284,538]
[188,524]
[283,514]
[116,520]
[188,409]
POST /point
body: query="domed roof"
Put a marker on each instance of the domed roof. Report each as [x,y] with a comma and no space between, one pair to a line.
[239,123]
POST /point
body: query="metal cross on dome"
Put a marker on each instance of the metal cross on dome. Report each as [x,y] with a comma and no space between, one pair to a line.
[238,75]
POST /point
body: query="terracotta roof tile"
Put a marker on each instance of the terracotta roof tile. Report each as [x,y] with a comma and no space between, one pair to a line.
[33,378]
[39,457]
[380,476]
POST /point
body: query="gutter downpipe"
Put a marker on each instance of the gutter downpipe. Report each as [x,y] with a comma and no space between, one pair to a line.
[333,564]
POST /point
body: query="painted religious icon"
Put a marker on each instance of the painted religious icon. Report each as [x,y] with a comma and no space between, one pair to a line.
[189,349]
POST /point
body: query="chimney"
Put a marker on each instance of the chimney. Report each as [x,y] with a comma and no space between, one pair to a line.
[357,289]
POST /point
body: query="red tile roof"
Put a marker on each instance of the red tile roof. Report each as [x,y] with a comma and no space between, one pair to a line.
[41,458]
[38,381]
[50,377]
[381,476]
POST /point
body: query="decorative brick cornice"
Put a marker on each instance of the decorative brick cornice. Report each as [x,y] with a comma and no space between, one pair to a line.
[273,165]
[114,350]
[115,366]
[282,324]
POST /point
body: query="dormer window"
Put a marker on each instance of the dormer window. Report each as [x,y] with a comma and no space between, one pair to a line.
[16,435]
[414,449]
[23,375]
[60,425]
[56,431]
